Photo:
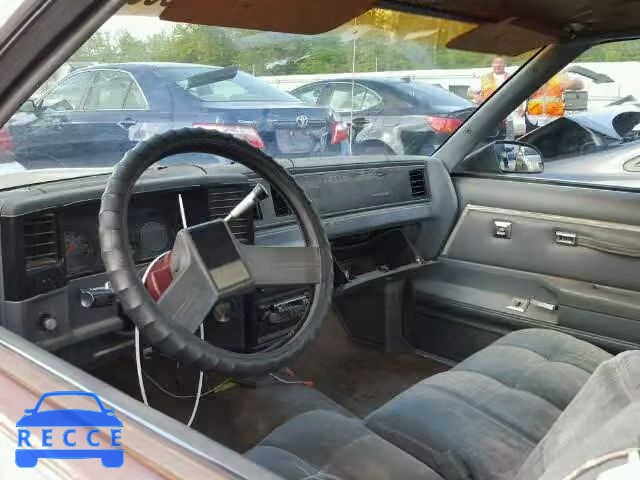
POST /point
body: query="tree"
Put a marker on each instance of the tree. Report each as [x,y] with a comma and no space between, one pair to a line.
[385,41]
[128,48]
[97,49]
[198,44]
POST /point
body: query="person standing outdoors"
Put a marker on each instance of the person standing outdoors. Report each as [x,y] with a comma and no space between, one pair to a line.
[547,103]
[490,82]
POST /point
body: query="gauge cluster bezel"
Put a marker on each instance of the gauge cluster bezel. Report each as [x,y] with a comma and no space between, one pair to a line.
[79,226]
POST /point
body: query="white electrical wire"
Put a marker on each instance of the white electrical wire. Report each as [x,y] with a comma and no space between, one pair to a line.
[137,333]
[199,392]
[143,392]
[182,214]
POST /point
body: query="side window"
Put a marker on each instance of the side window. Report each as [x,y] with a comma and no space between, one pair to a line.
[310,95]
[340,99]
[68,94]
[583,123]
[363,98]
[108,91]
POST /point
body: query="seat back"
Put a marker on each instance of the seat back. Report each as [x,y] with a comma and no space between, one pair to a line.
[602,419]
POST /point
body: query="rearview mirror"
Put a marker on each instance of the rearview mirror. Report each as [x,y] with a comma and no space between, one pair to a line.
[28,107]
[517,157]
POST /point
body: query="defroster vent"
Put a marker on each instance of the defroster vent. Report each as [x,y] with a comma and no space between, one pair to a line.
[40,239]
[221,200]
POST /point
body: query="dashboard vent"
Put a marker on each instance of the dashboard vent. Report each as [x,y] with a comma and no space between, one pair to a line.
[280,206]
[40,241]
[418,183]
[221,200]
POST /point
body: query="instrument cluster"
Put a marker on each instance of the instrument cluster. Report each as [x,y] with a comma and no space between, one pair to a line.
[153,223]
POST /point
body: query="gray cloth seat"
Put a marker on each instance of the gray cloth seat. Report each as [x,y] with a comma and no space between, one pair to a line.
[602,419]
[483,418]
[480,420]
[324,444]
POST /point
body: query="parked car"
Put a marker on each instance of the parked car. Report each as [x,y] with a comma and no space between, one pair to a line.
[101,112]
[601,146]
[396,116]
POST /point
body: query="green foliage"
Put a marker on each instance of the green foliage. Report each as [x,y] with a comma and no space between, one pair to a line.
[281,54]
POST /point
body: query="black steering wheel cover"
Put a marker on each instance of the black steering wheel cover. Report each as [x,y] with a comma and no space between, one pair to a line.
[170,338]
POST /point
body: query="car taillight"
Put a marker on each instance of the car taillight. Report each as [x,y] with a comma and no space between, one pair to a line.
[6,144]
[445,125]
[244,132]
[339,133]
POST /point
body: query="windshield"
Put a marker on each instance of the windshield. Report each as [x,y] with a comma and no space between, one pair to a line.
[383,84]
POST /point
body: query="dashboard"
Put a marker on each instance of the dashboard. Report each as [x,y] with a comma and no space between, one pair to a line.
[50,251]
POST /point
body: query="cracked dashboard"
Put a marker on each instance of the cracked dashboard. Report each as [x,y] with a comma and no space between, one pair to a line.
[50,251]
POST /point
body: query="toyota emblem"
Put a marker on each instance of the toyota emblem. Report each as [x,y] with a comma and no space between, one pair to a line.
[302,121]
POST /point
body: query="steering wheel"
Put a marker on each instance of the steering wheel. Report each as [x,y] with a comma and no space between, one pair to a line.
[208,263]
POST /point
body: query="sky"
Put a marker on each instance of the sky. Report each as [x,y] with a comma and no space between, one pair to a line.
[138,26]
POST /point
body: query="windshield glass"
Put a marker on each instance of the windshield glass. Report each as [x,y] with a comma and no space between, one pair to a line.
[383,84]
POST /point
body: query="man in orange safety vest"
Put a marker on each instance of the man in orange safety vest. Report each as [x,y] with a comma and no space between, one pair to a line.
[547,103]
[490,82]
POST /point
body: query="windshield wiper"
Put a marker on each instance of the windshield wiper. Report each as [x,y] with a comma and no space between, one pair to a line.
[212,76]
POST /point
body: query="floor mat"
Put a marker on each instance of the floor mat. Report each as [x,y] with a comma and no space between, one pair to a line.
[238,417]
[345,375]
[358,377]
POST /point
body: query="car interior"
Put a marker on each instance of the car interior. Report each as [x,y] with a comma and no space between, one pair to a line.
[345,317]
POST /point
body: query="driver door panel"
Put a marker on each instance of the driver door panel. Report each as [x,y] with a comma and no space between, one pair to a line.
[487,283]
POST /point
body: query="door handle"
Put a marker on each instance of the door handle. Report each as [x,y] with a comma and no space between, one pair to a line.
[126,123]
[575,240]
[360,121]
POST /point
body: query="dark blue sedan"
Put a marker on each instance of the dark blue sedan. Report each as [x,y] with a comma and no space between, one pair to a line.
[96,114]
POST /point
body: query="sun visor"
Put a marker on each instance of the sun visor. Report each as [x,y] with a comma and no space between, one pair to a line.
[290,16]
[503,38]
[143,8]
